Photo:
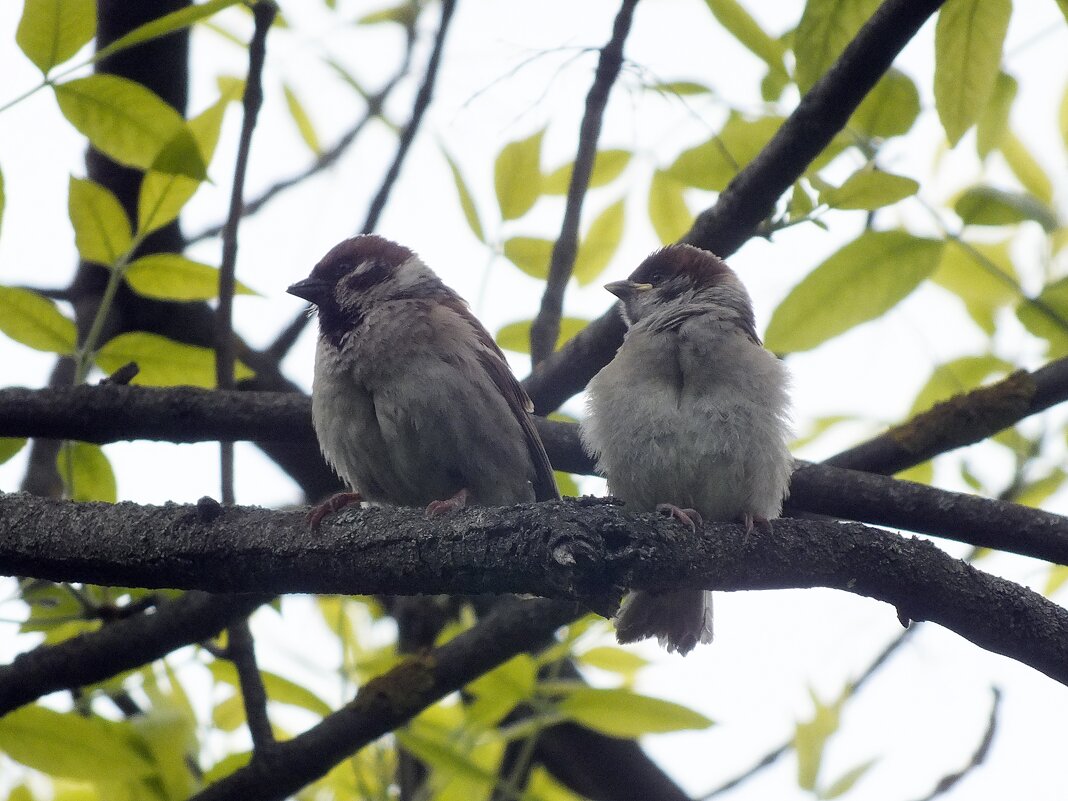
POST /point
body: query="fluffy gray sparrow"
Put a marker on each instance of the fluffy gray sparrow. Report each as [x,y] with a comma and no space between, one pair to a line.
[413,402]
[690,417]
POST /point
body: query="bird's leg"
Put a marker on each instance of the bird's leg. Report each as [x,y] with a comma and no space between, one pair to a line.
[331,505]
[457,501]
[750,522]
[688,517]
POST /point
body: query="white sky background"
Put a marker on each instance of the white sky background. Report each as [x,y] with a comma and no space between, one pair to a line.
[924,714]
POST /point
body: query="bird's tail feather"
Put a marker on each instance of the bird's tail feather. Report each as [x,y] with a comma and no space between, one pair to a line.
[679,620]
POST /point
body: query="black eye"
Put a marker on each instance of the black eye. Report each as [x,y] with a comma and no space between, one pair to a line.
[656,277]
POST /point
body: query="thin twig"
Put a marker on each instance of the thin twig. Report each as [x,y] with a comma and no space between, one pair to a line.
[263,13]
[241,650]
[546,326]
[947,783]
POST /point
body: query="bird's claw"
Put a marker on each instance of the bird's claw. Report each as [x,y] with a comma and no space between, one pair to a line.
[688,517]
[330,505]
[457,501]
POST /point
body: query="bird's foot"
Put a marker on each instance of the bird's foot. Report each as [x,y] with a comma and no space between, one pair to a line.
[688,517]
[331,505]
[457,501]
[754,521]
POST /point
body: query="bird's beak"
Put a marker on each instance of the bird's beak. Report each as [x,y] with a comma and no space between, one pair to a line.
[626,289]
[310,289]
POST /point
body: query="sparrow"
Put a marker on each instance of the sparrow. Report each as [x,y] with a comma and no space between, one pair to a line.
[690,418]
[413,403]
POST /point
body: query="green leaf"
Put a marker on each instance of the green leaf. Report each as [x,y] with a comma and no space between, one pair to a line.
[801,203]
[922,473]
[870,189]
[864,279]
[446,757]
[826,27]
[1041,322]
[229,714]
[34,320]
[402,13]
[71,746]
[530,254]
[600,244]
[607,166]
[517,176]
[565,482]
[668,212]
[623,713]
[982,275]
[174,277]
[467,202]
[499,691]
[162,198]
[87,472]
[985,205]
[9,446]
[516,336]
[51,31]
[738,22]
[844,783]
[956,376]
[969,36]
[101,228]
[1026,168]
[302,120]
[712,164]
[614,660]
[993,122]
[279,688]
[168,23]
[1035,493]
[810,739]
[163,361]
[681,88]
[131,124]
[890,109]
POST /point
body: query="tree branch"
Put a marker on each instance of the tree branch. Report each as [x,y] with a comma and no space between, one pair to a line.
[570,549]
[546,326]
[241,650]
[121,645]
[390,700]
[752,195]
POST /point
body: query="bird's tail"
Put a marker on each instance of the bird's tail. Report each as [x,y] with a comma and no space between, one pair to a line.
[679,620]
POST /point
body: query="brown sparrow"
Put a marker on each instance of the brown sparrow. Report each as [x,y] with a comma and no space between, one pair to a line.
[413,402]
[690,417]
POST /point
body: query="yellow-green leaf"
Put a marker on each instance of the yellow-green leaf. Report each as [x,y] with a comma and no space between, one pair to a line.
[826,27]
[101,228]
[607,166]
[985,205]
[600,244]
[87,472]
[496,693]
[71,746]
[1058,577]
[517,176]
[741,25]
[956,376]
[530,254]
[1035,493]
[993,122]
[279,688]
[1026,167]
[982,275]
[229,714]
[446,757]
[681,88]
[890,109]
[810,739]
[302,120]
[668,212]
[34,320]
[162,197]
[1049,320]
[870,189]
[801,203]
[168,23]
[861,281]
[172,276]
[163,362]
[566,483]
[51,31]
[712,164]
[9,446]
[467,202]
[969,36]
[402,13]
[516,336]
[623,713]
[844,783]
[613,659]
[131,124]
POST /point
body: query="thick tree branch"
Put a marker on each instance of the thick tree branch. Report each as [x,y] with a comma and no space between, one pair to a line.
[751,196]
[186,414]
[567,549]
[389,700]
[546,326]
[121,645]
